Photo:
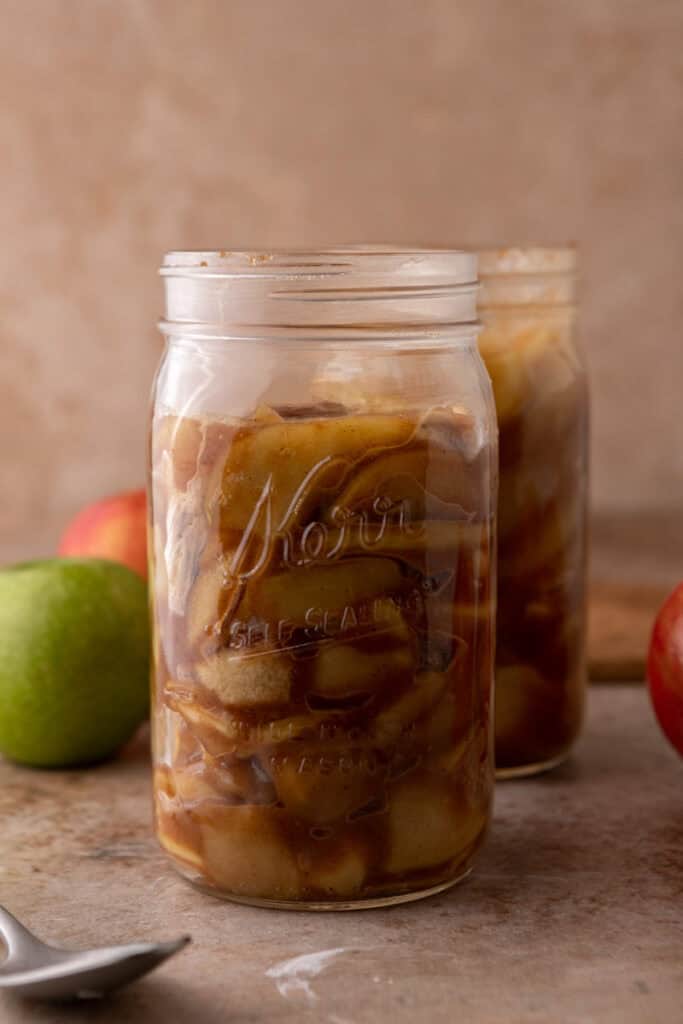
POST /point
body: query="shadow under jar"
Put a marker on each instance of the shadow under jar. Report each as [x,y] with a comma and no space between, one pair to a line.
[529,347]
[323,488]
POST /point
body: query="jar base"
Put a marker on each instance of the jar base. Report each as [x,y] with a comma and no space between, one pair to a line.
[373,903]
[523,771]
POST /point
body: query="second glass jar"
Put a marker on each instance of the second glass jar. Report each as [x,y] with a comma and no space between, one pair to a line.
[529,347]
[323,488]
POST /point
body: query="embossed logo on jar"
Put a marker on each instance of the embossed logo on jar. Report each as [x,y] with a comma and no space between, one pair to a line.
[364,529]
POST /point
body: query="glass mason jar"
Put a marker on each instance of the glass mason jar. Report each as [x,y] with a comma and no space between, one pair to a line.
[529,347]
[323,486]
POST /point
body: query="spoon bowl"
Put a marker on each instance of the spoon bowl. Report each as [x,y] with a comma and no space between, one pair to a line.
[39,971]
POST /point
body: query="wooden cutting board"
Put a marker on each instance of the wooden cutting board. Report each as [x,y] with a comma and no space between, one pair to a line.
[636,559]
[620,618]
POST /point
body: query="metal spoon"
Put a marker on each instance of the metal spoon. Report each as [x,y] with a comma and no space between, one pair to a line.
[34,969]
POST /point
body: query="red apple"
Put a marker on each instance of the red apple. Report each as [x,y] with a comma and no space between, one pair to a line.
[113,528]
[665,667]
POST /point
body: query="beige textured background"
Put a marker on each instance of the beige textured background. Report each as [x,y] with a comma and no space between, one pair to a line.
[132,126]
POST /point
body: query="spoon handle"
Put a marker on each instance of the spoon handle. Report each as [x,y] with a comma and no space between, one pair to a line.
[20,942]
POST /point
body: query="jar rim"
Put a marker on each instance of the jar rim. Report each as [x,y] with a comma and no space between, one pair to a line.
[501,261]
[528,277]
[442,265]
[353,286]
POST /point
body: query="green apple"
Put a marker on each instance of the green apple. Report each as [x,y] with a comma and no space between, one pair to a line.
[74,660]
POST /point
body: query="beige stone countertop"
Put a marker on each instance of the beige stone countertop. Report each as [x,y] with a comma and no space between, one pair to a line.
[574,913]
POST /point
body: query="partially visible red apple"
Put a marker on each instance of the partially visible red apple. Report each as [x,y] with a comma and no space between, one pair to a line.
[113,528]
[665,667]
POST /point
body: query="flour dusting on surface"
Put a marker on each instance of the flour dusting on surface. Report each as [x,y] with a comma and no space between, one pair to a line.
[295,975]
